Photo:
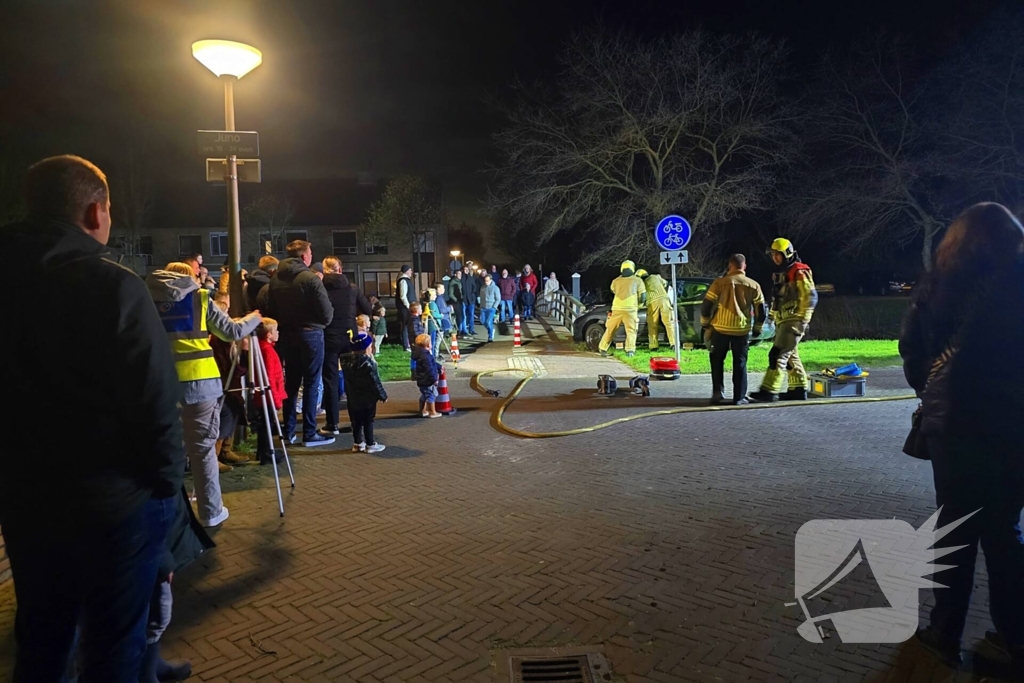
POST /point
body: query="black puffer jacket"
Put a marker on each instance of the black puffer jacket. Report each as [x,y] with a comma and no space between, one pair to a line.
[978,391]
[362,382]
[254,284]
[295,298]
[347,302]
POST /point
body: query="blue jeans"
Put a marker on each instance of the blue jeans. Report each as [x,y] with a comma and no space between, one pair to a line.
[97,577]
[469,313]
[487,318]
[527,311]
[506,310]
[303,354]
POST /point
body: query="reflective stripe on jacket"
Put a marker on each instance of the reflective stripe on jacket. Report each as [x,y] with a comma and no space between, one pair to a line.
[185,324]
[657,289]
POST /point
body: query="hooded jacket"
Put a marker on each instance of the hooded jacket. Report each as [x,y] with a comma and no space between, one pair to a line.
[296,298]
[490,296]
[165,285]
[347,302]
[254,284]
[362,382]
[109,359]
[531,279]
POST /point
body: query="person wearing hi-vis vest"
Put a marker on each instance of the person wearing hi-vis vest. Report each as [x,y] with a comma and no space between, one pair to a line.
[793,302]
[189,317]
[629,294]
[659,308]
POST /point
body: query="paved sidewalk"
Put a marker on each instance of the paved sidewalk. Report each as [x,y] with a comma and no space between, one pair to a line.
[667,542]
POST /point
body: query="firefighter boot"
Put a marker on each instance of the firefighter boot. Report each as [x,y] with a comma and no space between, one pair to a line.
[764,396]
[798,394]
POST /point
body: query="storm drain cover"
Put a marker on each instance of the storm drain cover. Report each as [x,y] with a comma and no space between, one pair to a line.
[552,666]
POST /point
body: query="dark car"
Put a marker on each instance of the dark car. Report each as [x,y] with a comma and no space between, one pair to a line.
[590,326]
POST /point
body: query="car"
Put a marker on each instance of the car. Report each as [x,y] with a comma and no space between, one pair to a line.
[590,326]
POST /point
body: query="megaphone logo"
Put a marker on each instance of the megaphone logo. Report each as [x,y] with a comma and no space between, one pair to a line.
[865,576]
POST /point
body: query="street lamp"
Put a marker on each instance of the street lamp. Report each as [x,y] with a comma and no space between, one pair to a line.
[229,61]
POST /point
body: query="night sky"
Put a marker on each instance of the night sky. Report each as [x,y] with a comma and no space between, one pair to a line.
[347,85]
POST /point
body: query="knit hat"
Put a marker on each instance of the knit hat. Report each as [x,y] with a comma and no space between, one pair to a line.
[361,341]
[405,267]
[318,267]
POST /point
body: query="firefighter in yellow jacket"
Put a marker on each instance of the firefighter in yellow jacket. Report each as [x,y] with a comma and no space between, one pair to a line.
[629,294]
[793,302]
[659,308]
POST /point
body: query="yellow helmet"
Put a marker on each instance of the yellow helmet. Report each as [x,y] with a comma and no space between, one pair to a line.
[641,273]
[627,265]
[783,246]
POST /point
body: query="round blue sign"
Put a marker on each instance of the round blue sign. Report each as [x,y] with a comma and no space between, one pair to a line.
[673,233]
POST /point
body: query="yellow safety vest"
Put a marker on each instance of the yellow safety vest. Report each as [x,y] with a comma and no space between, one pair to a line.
[655,289]
[185,324]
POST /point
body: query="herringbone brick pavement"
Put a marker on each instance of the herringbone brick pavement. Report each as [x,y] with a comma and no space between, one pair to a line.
[668,541]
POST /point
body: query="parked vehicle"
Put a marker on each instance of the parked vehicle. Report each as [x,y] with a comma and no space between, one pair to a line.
[590,326]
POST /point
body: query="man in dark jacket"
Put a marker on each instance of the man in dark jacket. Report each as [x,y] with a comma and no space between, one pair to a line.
[297,300]
[455,298]
[470,291]
[404,296]
[258,279]
[84,524]
[348,302]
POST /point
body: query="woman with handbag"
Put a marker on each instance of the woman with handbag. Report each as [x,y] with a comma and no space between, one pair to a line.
[961,345]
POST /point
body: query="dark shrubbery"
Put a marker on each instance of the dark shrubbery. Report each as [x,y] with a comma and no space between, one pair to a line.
[858,317]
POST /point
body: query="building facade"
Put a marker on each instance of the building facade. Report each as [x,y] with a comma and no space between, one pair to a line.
[190,219]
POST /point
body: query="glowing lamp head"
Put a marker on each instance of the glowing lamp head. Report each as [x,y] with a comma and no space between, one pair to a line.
[227,58]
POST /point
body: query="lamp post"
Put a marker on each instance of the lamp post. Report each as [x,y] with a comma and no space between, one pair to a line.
[229,61]
[454,253]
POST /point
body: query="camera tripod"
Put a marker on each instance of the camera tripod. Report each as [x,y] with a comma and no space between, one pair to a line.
[259,388]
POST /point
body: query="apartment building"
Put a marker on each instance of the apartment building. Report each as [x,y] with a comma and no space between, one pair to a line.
[190,218]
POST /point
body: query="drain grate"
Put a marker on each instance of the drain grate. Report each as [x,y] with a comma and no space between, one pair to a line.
[553,666]
[551,670]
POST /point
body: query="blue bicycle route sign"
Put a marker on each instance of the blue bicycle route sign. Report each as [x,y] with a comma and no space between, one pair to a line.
[673,233]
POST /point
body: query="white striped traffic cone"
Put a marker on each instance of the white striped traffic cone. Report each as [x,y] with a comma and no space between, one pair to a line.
[443,404]
[456,356]
[518,335]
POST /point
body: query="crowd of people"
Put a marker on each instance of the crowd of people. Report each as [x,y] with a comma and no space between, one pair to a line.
[152,365]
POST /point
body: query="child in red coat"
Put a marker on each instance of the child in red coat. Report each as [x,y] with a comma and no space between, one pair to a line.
[268,335]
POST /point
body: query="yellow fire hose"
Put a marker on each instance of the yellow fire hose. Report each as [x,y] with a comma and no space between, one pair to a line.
[654,413]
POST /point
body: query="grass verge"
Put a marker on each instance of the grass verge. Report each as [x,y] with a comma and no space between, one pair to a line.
[392,363]
[868,353]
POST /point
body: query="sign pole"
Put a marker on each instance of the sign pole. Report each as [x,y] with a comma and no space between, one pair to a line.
[234,222]
[675,311]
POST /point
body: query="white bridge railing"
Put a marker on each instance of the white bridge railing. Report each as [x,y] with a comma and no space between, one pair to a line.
[562,308]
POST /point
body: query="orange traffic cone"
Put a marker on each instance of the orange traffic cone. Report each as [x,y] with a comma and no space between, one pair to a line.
[456,356]
[443,404]
[517,335]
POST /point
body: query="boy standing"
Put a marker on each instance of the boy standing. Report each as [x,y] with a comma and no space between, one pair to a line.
[364,391]
[426,375]
[527,298]
[379,327]
[268,334]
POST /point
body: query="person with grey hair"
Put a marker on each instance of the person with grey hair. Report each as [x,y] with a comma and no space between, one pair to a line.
[84,525]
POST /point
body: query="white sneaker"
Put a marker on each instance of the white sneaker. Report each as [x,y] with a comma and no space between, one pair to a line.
[359,448]
[217,519]
[375,448]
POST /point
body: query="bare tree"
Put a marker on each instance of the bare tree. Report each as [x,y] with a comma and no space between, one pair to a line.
[407,210]
[271,214]
[878,174]
[695,124]
[132,202]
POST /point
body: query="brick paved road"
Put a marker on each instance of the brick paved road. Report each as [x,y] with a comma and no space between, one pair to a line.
[667,541]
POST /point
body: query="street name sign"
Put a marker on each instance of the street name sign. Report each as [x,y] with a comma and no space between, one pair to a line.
[249,170]
[225,143]
[675,258]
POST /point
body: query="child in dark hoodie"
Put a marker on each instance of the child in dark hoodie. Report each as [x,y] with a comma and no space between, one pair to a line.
[427,372]
[364,391]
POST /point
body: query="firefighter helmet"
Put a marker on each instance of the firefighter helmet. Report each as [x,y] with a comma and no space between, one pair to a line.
[783,246]
[627,265]
[641,273]
[606,385]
